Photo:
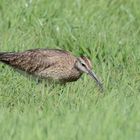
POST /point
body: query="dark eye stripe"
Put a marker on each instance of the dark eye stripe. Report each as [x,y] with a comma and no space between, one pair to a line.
[83,64]
[87,61]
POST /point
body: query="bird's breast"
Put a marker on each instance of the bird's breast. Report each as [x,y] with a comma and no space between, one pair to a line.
[71,76]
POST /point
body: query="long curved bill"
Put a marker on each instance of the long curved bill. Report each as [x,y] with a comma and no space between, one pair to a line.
[93,75]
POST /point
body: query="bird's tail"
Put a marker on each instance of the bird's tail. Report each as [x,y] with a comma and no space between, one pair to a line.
[5,57]
[2,54]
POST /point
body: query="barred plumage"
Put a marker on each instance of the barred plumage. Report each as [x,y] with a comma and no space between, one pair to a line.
[55,64]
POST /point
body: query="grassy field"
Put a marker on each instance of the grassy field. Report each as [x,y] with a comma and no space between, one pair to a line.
[106,31]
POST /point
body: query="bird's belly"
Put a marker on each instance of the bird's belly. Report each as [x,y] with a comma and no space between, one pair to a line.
[60,76]
[67,78]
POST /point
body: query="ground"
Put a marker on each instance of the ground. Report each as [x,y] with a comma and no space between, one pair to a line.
[106,31]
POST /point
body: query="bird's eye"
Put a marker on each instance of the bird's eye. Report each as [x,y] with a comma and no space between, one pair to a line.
[83,64]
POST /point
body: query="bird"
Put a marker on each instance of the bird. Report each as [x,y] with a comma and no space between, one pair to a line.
[50,64]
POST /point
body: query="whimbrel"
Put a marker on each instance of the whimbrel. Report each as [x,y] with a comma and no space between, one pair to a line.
[50,64]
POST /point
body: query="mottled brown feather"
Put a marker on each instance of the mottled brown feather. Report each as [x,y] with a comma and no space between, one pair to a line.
[45,63]
[50,64]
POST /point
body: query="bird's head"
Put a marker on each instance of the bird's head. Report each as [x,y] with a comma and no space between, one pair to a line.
[84,65]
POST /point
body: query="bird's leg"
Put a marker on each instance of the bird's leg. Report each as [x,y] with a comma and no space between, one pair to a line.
[38,81]
[62,88]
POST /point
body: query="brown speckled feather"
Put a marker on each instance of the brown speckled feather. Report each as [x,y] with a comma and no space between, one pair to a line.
[50,64]
[45,63]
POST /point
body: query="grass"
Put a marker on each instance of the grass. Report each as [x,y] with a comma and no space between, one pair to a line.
[106,31]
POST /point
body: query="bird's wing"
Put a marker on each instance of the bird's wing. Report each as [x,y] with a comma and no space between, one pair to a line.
[32,61]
